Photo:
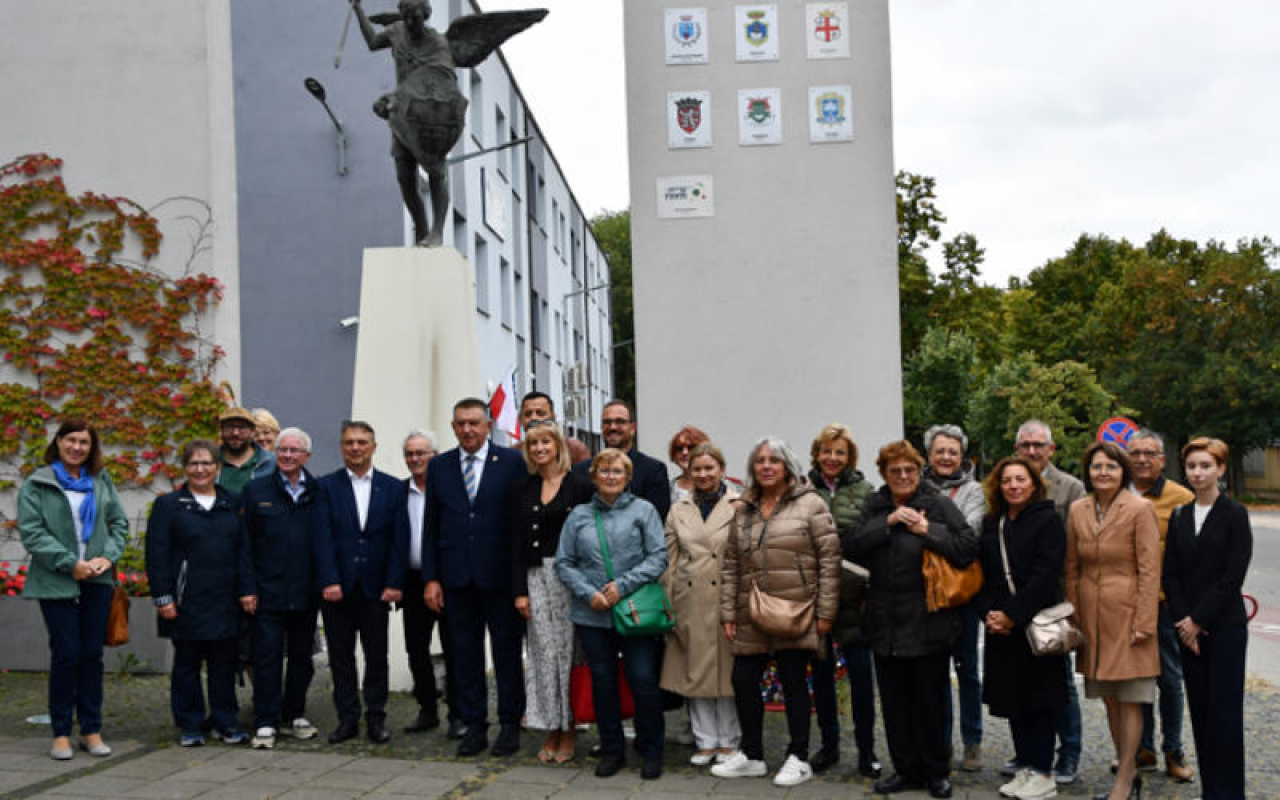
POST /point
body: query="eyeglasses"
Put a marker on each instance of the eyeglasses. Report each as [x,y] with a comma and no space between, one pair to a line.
[201,464]
[904,471]
[418,453]
[1146,454]
[1025,445]
[680,448]
[290,451]
[612,472]
[539,423]
[1105,466]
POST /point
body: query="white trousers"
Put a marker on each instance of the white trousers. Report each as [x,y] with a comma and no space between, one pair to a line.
[715,722]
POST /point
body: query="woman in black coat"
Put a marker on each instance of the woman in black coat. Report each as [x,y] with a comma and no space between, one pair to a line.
[197,582]
[912,645]
[1018,685]
[1206,558]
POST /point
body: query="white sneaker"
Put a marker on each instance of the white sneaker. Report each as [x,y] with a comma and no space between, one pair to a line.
[793,773]
[1037,787]
[702,758]
[301,729]
[1014,786]
[739,766]
[264,738]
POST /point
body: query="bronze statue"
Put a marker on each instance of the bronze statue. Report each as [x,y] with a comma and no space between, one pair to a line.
[426,111]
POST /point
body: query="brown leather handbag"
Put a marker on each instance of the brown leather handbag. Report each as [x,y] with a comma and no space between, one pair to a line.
[946,585]
[118,619]
[772,615]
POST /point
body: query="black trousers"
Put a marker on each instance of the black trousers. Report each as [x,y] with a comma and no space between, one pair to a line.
[471,611]
[277,634]
[186,696]
[1215,697]
[343,621]
[913,695]
[747,672]
[1033,738]
[418,621]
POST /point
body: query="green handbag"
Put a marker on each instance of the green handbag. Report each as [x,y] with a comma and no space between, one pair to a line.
[645,612]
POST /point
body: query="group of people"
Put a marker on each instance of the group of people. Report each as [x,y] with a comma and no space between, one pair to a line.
[536,553]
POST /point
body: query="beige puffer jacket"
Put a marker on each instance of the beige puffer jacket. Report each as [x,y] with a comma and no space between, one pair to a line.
[803,552]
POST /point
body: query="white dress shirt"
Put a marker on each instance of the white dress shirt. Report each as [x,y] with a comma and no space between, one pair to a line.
[417,506]
[482,455]
[362,487]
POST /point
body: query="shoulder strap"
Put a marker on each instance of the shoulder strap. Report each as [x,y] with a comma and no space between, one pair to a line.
[1004,557]
[604,543]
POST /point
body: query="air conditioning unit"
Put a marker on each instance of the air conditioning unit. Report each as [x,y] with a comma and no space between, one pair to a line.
[576,378]
[575,407]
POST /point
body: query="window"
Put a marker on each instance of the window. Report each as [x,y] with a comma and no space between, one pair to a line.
[535,337]
[482,275]
[555,229]
[504,281]
[518,292]
[500,131]
[556,338]
[532,181]
[477,108]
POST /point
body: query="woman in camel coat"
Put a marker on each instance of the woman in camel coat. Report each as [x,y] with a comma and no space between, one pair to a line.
[1112,577]
[699,661]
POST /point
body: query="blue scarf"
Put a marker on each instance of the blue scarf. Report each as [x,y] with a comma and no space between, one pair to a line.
[89,508]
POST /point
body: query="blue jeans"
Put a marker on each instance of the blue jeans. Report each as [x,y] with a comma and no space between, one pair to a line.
[862,697]
[641,663]
[1170,685]
[965,654]
[77,630]
[277,635]
[186,697]
[1067,724]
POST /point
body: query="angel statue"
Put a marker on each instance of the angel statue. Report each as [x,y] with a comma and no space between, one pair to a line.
[426,111]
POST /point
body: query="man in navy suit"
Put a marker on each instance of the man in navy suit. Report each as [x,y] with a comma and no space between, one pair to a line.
[466,565]
[369,542]
[648,475]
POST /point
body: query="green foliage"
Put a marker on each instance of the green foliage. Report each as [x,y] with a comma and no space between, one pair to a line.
[613,231]
[86,332]
[937,381]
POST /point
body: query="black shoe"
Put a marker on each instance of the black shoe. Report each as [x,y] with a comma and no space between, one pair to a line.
[651,770]
[457,729]
[344,731]
[377,732]
[1135,790]
[940,787]
[508,741]
[868,765]
[609,765]
[426,721]
[596,750]
[896,783]
[474,742]
[824,759]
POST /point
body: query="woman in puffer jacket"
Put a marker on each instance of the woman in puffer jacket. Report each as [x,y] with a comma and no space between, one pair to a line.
[783,549]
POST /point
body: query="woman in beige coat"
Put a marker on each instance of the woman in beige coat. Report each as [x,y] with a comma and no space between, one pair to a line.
[1112,577]
[699,662]
[783,545]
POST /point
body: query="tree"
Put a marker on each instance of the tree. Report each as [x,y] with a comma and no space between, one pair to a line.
[87,331]
[613,231]
[918,228]
[1190,335]
[937,381]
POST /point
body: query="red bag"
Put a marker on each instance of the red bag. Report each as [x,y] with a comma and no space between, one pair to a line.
[580,698]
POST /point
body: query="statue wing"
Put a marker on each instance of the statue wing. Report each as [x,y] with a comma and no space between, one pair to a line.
[473,37]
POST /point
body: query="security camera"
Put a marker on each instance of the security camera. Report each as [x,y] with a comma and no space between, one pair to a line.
[348,322]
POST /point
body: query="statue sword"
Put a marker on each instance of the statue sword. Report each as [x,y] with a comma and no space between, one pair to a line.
[342,42]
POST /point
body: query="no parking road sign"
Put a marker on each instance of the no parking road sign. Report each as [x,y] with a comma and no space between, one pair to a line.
[1117,430]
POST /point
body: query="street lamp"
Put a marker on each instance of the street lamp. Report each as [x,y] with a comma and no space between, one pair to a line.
[316,89]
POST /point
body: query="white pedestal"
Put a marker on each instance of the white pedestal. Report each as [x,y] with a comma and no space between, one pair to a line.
[416,356]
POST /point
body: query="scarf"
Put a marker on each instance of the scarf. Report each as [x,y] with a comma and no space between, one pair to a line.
[89,508]
[706,501]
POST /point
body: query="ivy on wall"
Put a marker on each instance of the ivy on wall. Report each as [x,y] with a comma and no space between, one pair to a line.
[90,328]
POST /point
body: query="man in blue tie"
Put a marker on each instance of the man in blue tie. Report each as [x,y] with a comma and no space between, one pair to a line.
[466,566]
[369,542]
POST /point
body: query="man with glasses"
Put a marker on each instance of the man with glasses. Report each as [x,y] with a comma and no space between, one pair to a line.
[649,475]
[419,449]
[1146,450]
[242,459]
[1035,444]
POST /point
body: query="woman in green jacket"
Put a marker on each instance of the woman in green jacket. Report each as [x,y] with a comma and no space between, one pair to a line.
[72,524]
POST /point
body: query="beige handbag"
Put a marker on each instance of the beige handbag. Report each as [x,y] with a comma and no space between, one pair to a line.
[1051,631]
[777,616]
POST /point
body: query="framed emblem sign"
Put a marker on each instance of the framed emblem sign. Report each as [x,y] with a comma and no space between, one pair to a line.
[685,196]
[759,116]
[756,32]
[688,119]
[830,113]
[827,30]
[685,32]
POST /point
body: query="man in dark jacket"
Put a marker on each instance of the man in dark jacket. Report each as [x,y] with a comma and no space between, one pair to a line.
[369,526]
[649,475]
[282,519]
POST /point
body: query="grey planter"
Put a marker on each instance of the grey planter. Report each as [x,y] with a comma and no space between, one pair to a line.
[28,650]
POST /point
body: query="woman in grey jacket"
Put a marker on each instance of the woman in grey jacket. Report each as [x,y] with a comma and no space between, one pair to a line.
[638,554]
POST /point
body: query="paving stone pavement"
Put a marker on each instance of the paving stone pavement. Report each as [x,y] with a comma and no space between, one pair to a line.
[148,764]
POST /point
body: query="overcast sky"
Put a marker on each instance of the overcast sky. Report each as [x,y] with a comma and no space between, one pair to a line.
[1041,119]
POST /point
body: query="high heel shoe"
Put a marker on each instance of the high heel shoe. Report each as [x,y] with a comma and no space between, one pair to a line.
[1135,790]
